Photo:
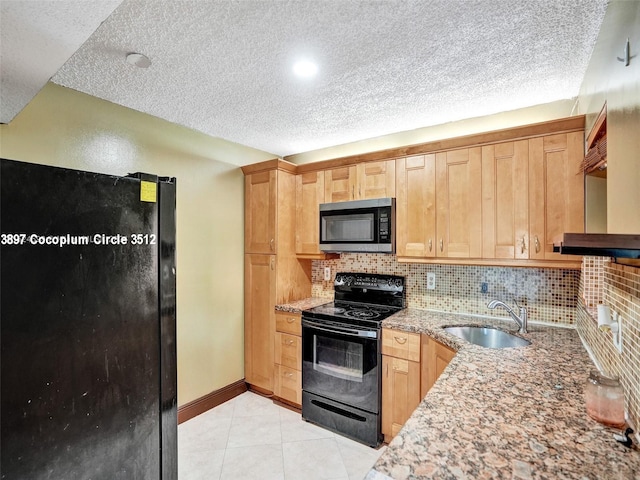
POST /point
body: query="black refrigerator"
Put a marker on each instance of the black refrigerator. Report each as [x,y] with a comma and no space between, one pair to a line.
[88,325]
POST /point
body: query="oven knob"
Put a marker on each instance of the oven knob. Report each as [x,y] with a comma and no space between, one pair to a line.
[350,280]
[398,283]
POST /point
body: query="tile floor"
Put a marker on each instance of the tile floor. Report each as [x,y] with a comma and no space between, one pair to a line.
[249,437]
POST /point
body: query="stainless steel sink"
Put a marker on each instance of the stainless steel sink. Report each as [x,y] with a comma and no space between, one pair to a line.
[488,337]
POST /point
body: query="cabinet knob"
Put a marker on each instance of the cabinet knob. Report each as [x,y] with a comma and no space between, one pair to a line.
[537,244]
[272,244]
[522,245]
[430,244]
[441,245]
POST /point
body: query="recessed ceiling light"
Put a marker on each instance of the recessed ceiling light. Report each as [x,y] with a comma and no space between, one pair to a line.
[305,69]
[139,60]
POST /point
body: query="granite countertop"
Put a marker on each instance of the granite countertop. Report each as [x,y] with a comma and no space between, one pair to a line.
[304,304]
[515,413]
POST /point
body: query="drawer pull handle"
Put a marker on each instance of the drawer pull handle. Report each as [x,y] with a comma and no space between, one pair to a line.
[289,342]
[291,320]
[523,245]
[537,245]
[430,244]
[288,374]
[401,340]
[441,245]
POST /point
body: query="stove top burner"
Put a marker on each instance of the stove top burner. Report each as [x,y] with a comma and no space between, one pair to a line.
[362,299]
[362,314]
[329,309]
[351,312]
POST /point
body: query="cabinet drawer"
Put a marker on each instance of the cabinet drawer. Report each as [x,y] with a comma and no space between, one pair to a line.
[288,384]
[288,322]
[401,344]
[288,350]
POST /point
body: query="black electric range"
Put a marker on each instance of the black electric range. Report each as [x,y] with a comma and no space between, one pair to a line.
[341,354]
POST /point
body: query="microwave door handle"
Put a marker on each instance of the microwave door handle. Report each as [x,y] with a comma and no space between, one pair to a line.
[344,331]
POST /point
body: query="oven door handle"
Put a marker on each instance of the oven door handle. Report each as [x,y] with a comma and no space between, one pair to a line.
[340,330]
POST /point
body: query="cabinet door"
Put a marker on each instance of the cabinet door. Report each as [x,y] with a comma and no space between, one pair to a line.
[399,344]
[309,196]
[400,393]
[288,350]
[556,192]
[376,180]
[260,212]
[459,203]
[259,319]
[435,358]
[505,200]
[416,206]
[288,384]
[340,184]
[288,322]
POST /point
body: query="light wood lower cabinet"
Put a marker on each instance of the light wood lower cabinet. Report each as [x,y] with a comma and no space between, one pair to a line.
[435,358]
[400,393]
[411,363]
[259,324]
[400,379]
[289,384]
[288,357]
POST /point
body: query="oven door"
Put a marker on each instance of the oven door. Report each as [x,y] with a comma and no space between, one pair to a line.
[342,363]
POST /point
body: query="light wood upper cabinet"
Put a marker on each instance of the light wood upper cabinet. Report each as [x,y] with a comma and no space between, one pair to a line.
[556,192]
[340,184]
[435,358]
[309,196]
[260,212]
[376,179]
[505,202]
[259,319]
[416,206]
[459,203]
[360,182]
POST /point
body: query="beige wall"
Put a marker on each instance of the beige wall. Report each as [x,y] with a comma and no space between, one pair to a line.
[65,128]
[499,121]
[608,80]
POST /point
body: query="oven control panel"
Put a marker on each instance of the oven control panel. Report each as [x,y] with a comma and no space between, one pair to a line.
[370,280]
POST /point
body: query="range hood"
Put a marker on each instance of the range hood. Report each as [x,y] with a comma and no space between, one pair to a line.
[600,245]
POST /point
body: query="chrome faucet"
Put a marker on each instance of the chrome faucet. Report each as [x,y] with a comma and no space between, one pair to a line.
[521,319]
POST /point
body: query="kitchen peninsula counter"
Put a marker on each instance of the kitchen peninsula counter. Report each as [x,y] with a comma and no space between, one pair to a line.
[504,413]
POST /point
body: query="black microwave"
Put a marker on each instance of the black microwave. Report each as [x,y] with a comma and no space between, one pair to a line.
[358,226]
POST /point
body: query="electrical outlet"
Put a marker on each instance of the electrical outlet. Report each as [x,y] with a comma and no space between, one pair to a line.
[327,273]
[431,281]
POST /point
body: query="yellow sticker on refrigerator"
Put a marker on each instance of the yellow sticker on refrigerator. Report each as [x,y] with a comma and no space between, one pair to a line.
[148,191]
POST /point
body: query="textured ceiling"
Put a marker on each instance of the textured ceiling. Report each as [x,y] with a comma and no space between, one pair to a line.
[224,67]
[36,38]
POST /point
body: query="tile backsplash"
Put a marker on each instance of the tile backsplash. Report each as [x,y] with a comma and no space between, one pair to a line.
[560,296]
[619,287]
[549,294]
